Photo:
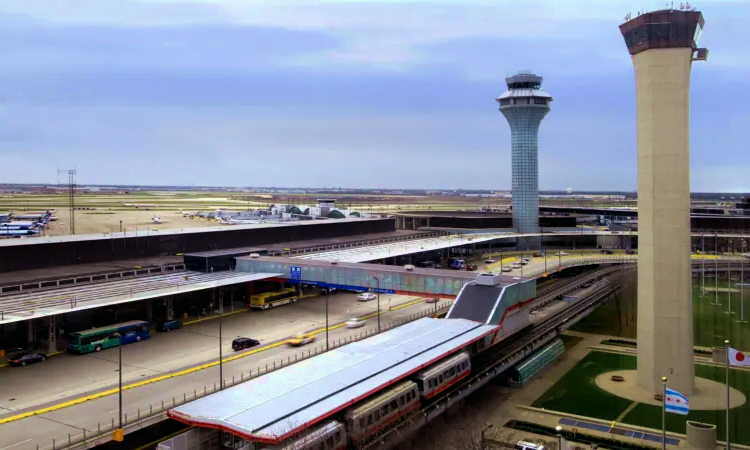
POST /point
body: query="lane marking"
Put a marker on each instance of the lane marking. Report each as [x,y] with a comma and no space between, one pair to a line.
[17,443]
[180,373]
[404,305]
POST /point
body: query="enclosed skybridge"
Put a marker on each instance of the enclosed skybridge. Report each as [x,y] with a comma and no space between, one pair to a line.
[492,300]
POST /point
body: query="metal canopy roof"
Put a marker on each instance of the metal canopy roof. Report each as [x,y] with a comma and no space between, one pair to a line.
[49,302]
[272,407]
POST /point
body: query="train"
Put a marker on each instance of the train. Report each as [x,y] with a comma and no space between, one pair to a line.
[364,420]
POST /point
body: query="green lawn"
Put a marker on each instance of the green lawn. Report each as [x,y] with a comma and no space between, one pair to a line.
[711,324]
[567,394]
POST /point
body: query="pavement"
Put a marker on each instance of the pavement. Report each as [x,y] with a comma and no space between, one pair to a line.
[69,378]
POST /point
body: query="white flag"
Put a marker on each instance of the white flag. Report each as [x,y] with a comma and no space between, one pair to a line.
[737,358]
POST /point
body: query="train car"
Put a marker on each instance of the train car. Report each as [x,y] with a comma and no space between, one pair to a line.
[375,414]
[330,436]
[442,375]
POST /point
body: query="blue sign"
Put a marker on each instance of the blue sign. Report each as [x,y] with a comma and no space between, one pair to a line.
[295,272]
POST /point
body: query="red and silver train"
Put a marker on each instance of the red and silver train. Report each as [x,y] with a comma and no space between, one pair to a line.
[365,419]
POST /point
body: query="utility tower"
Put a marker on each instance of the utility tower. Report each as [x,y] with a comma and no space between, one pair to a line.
[524,105]
[663,44]
[71,196]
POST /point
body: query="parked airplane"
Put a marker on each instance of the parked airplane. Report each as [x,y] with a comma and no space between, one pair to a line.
[156,220]
[4,232]
[232,221]
[188,213]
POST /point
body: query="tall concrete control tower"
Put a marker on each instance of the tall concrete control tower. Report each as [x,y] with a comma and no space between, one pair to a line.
[524,105]
[663,45]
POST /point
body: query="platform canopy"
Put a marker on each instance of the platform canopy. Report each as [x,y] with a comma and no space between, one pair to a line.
[272,407]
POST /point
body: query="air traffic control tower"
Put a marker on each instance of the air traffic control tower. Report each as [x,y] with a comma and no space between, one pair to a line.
[524,105]
[663,45]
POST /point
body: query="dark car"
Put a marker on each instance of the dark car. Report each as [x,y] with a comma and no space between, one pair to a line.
[241,343]
[168,325]
[538,255]
[27,358]
[630,252]
[607,252]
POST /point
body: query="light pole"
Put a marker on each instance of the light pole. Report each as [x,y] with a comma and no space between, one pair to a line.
[377,278]
[221,357]
[742,282]
[118,435]
[327,319]
[559,437]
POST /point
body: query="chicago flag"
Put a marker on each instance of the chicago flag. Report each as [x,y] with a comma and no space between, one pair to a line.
[676,402]
[737,358]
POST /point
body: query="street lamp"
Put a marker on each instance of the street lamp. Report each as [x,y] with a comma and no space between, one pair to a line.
[327,319]
[559,437]
[221,365]
[377,278]
[119,389]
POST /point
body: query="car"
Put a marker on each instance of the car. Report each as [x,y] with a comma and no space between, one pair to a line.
[490,261]
[507,269]
[301,339]
[630,252]
[242,343]
[365,296]
[523,445]
[168,325]
[431,300]
[329,291]
[516,265]
[564,253]
[524,261]
[355,323]
[607,252]
[27,358]
[538,255]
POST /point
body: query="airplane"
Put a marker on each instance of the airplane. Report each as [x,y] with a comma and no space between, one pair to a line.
[17,233]
[231,221]
[188,213]
[156,220]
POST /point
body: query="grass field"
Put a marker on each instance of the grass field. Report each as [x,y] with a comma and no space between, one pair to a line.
[579,383]
[711,323]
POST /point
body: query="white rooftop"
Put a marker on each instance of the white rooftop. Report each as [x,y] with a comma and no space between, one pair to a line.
[49,302]
[270,408]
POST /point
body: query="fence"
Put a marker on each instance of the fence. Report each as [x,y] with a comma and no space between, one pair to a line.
[154,412]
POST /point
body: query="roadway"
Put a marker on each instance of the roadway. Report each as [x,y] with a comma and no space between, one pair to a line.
[78,376]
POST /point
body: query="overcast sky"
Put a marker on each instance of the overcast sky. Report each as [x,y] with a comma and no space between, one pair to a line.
[345,93]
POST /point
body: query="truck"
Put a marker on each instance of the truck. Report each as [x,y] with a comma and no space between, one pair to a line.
[457,264]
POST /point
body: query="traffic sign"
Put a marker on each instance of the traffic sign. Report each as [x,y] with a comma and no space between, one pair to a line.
[295,272]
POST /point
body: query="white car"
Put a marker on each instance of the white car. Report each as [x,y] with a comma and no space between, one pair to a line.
[507,268]
[564,253]
[355,323]
[516,265]
[366,296]
[525,261]
[490,261]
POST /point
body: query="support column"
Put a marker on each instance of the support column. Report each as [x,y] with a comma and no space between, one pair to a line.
[149,310]
[221,301]
[52,335]
[170,310]
[30,332]
[231,300]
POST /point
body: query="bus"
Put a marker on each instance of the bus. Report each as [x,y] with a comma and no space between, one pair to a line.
[97,339]
[269,300]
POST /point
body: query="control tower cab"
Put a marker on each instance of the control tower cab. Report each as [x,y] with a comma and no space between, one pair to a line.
[524,105]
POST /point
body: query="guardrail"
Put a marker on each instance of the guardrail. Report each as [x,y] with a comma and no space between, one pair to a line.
[143,417]
[323,248]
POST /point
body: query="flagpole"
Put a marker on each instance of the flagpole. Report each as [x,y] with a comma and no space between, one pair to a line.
[664,413]
[726,344]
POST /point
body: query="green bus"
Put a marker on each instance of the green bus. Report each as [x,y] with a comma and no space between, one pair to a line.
[97,339]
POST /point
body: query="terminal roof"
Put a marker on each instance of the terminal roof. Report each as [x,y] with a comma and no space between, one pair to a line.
[147,231]
[226,252]
[50,302]
[272,407]
[374,252]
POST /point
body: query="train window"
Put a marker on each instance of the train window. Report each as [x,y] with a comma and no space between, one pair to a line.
[440,380]
[338,436]
[362,423]
[385,410]
[403,400]
[322,446]
[369,419]
[453,371]
[394,405]
[330,441]
[377,416]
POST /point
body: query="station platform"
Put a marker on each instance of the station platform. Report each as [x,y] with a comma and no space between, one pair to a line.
[272,408]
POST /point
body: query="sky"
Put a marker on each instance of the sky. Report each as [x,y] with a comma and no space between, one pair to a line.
[357,94]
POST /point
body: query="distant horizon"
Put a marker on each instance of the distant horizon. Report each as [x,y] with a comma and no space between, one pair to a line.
[738,195]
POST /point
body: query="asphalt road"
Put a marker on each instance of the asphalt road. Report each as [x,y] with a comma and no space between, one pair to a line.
[73,376]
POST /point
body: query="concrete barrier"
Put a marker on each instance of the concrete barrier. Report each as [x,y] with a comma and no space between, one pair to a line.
[701,435]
